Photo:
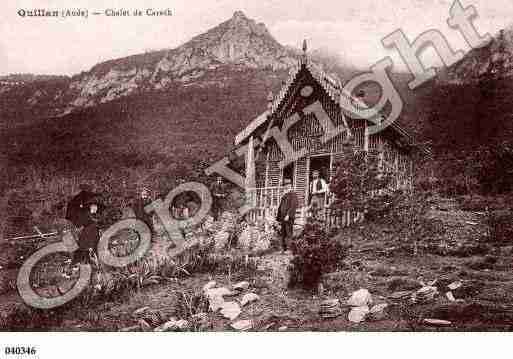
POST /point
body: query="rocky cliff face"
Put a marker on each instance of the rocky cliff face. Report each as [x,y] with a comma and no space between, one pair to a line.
[493,61]
[239,42]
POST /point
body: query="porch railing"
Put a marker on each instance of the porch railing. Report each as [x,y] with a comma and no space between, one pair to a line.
[266,200]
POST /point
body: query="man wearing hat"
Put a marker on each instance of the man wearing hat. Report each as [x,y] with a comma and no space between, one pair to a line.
[139,205]
[219,193]
[82,211]
[287,212]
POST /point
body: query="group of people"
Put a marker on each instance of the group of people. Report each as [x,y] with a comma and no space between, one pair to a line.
[83,211]
[84,208]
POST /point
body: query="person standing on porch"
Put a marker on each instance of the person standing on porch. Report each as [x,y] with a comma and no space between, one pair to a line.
[287,212]
[318,190]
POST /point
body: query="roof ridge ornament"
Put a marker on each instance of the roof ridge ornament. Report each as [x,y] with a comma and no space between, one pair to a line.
[305,49]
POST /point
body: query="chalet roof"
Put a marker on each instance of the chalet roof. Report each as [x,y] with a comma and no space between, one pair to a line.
[333,87]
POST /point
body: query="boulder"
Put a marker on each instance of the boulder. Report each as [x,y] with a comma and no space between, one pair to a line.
[425,294]
[209,286]
[242,325]
[241,286]
[215,297]
[249,298]
[377,312]
[358,314]
[361,297]
[173,325]
[437,322]
[230,310]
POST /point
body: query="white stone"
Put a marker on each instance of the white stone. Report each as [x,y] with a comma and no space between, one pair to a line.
[241,285]
[173,325]
[455,285]
[378,308]
[215,303]
[230,310]
[358,314]
[249,298]
[140,311]
[209,285]
[218,292]
[242,325]
[437,322]
[361,297]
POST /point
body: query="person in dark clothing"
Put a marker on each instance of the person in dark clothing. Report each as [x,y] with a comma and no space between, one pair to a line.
[219,193]
[287,212]
[77,211]
[82,212]
[88,239]
[139,205]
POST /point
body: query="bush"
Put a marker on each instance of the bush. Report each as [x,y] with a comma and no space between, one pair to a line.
[315,253]
[500,225]
[475,203]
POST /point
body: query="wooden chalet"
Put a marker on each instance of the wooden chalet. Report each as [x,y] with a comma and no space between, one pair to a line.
[311,94]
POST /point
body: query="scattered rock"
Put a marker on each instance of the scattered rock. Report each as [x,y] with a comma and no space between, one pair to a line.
[241,286]
[425,295]
[230,310]
[215,303]
[400,296]
[242,325]
[377,312]
[249,298]
[455,285]
[209,286]
[218,292]
[173,325]
[437,322]
[361,297]
[140,311]
[378,308]
[358,314]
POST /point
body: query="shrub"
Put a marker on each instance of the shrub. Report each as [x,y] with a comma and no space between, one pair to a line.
[500,224]
[315,253]
[410,220]
[359,180]
[475,203]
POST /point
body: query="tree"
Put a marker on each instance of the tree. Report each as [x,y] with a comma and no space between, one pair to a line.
[361,183]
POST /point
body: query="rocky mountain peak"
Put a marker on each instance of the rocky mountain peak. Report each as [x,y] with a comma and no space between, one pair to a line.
[239,41]
[495,60]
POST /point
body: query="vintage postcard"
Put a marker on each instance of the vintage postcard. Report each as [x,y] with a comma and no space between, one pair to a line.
[242,166]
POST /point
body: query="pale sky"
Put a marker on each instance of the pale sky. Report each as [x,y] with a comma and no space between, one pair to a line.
[353,29]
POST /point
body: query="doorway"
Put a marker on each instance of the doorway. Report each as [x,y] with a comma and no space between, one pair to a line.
[321,163]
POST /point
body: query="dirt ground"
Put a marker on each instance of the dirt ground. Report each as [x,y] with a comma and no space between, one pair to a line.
[483,302]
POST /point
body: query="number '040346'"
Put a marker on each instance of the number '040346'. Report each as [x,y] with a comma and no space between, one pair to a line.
[20,350]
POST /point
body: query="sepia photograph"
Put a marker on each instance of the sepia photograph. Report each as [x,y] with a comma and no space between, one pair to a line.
[235,166]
